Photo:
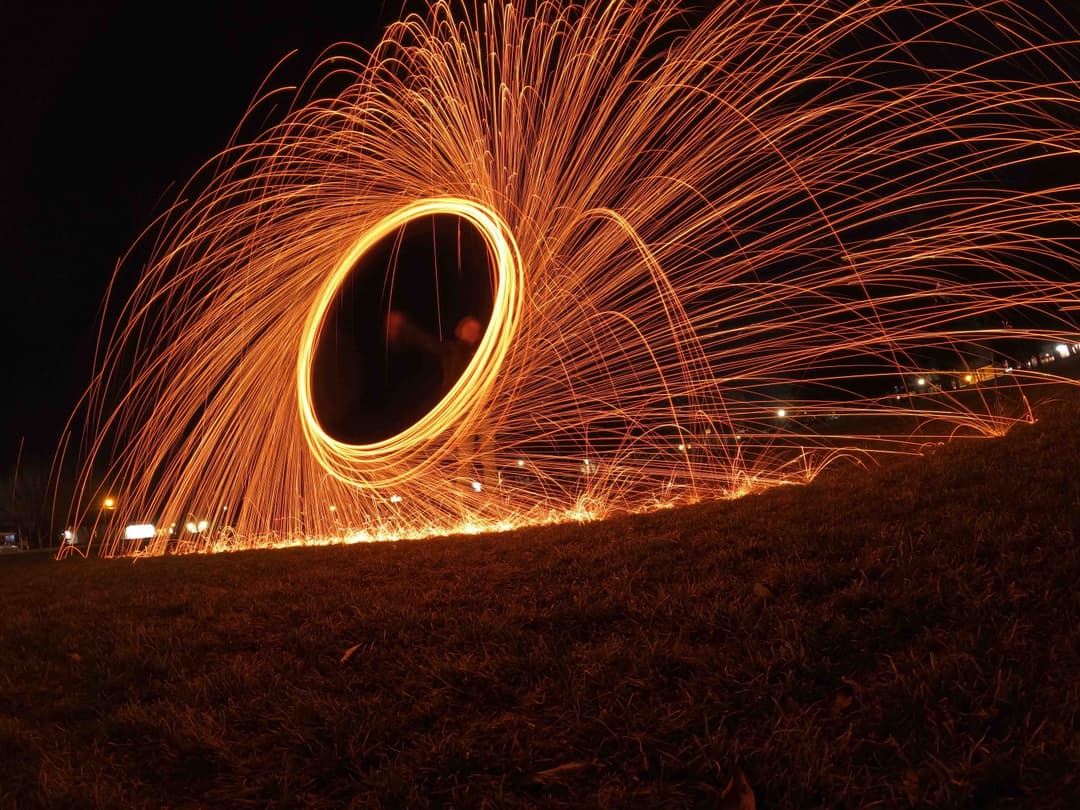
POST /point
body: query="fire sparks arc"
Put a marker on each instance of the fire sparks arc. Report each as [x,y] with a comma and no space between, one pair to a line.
[728,249]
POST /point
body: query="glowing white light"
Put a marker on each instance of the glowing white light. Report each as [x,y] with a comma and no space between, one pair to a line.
[781,412]
[203,525]
[682,447]
[477,486]
[139,531]
[1062,350]
[395,499]
[67,534]
[333,508]
[191,527]
[921,381]
[521,462]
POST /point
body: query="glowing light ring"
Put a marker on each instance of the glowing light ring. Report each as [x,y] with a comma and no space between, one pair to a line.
[407,455]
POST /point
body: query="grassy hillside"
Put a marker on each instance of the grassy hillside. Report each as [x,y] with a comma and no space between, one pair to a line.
[904,636]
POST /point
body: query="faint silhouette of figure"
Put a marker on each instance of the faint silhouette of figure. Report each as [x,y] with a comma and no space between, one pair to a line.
[454,356]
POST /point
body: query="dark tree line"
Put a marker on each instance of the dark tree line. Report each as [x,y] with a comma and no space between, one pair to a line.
[27,498]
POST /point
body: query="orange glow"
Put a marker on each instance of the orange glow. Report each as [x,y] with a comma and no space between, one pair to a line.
[417,450]
[791,207]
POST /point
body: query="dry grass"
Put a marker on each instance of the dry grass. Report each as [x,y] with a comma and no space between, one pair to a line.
[904,637]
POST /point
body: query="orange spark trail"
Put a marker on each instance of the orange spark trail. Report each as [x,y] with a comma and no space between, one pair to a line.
[724,250]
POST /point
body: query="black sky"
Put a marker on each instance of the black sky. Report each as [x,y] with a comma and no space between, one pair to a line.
[107,105]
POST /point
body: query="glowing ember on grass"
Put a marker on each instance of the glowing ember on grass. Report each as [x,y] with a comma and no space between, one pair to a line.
[719,247]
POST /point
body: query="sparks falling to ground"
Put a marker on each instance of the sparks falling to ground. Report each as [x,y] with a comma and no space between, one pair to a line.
[725,251]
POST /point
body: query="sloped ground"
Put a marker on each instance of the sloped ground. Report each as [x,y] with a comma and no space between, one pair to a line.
[898,637]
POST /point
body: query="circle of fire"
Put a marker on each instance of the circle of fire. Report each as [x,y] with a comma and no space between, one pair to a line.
[730,249]
[413,452]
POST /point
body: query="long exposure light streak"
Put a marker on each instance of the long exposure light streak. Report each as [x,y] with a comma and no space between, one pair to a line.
[727,249]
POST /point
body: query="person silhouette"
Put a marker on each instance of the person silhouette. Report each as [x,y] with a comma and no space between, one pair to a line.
[454,355]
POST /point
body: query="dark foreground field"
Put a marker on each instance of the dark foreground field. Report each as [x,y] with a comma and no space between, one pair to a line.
[904,637]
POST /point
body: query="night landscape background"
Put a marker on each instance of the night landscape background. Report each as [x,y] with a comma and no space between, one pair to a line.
[902,632]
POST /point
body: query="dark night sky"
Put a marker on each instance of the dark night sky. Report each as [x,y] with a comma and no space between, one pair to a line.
[106,107]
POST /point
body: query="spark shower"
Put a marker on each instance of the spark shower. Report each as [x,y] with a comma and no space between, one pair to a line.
[727,248]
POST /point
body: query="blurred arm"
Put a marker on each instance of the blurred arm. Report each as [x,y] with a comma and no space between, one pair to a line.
[402,331]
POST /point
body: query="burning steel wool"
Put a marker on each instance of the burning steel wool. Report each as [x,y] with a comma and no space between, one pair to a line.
[723,251]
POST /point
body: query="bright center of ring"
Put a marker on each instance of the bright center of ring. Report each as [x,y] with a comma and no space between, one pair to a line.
[402,456]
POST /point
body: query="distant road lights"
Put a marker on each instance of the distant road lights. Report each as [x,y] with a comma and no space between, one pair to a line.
[333,508]
[1062,350]
[921,382]
[521,462]
[477,486]
[968,378]
[781,413]
[109,503]
[682,447]
[396,499]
